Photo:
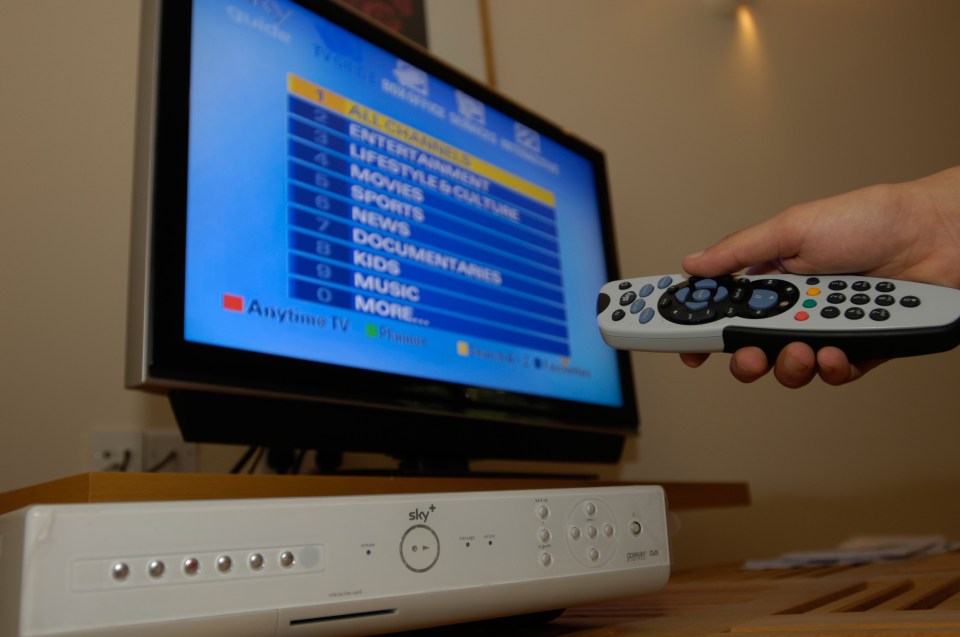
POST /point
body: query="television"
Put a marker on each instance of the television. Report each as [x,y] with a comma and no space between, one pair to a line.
[341,243]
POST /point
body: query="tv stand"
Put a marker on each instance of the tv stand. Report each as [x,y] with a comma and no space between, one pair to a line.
[288,461]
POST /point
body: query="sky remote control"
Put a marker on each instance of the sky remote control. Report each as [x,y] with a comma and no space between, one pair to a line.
[866,317]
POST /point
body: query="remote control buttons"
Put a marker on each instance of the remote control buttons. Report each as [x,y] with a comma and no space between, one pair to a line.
[603,302]
[698,300]
[862,300]
[829,312]
[812,300]
[763,300]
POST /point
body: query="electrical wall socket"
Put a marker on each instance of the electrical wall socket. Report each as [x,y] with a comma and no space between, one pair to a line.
[164,451]
[116,451]
[154,450]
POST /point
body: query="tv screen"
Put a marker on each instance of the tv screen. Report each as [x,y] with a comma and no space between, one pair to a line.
[341,241]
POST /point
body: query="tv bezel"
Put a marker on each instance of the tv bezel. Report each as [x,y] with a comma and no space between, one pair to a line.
[232,396]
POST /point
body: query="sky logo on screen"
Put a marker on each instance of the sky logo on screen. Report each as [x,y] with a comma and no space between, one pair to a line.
[232,302]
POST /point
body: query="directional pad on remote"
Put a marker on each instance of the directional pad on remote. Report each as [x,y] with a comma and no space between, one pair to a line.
[702,300]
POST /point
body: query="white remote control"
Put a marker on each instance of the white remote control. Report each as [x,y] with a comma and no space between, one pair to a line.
[866,317]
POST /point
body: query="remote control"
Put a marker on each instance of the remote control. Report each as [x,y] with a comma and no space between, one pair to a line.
[866,317]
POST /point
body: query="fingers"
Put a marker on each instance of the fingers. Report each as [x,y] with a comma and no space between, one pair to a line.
[835,369]
[749,364]
[693,361]
[795,367]
[758,244]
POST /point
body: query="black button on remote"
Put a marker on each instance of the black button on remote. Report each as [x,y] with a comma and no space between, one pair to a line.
[854,313]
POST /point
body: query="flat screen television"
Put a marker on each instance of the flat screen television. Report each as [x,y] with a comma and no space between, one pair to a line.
[342,243]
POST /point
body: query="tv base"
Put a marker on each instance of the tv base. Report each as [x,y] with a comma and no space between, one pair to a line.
[353,565]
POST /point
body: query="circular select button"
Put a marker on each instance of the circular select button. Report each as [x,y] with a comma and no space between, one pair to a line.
[419,548]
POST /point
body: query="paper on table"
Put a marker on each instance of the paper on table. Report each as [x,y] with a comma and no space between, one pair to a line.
[860,550]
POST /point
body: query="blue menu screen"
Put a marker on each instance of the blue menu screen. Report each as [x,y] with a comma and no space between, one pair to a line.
[349,208]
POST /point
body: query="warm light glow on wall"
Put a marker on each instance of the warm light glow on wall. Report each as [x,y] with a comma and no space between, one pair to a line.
[748,40]
[747,26]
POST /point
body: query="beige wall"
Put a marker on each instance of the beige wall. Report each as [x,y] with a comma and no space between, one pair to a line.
[703,135]
[706,130]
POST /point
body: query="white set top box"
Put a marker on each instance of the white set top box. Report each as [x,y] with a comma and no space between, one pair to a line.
[353,565]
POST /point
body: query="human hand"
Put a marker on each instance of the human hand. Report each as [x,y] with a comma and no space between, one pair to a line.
[907,231]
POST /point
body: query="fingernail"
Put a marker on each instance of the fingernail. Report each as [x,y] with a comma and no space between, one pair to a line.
[696,255]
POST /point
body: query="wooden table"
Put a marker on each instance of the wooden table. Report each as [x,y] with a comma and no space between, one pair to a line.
[919,598]
[130,487]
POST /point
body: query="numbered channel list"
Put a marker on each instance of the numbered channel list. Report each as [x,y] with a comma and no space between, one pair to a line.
[388,221]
